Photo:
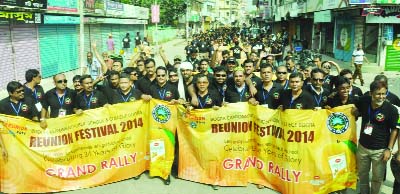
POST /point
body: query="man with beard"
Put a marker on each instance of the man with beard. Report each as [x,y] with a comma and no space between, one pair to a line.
[249,69]
[290,65]
[268,92]
[377,136]
[173,77]
[295,97]
[230,66]
[16,104]
[220,81]
[126,93]
[144,83]
[316,89]
[133,75]
[77,84]
[89,98]
[110,89]
[240,92]
[60,100]
[281,77]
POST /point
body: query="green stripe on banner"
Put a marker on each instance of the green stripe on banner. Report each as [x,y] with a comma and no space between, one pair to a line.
[170,136]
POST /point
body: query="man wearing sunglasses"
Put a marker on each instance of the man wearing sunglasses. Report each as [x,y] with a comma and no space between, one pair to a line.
[33,89]
[316,89]
[281,77]
[17,104]
[60,99]
[163,90]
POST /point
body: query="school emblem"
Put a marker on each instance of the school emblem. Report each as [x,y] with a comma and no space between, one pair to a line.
[168,94]
[161,113]
[39,94]
[247,95]
[380,117]
[24,108]
[324,99]
[254,83]
[208,101]
[224,87]
[132,99]
[299,106]
[337,123]
[68,100]
[276,95]
[94,100]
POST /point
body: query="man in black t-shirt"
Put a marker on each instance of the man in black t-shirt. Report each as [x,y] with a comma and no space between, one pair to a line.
[240,92]
[33,89]
[144,83]
[377,136]
[17,104]
[89,98]
[236,50]
[163,90]
[268,92]
[296,97]
[126,43]
[319,93]
[207,98]
[126,93]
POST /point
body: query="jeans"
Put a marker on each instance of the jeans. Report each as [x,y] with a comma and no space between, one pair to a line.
[366,157]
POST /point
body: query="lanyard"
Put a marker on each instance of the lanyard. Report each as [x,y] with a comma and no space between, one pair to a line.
[387,93]
[126,99]
[16,110]
[88,102]
[318,101]
[291,101]
[61,100]
[205,101]
[266,96]
[242,93]
[326,78]
[35,94]
[221,90]
[162,93]
[286,85]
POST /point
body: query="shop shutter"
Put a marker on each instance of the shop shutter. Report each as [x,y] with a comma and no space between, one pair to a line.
[58,49]
[105,30]
[95,35]
[7,69]
[392,58]
[26,49]
[87,41]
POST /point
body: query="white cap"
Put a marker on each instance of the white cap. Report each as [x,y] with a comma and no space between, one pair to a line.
[186,65]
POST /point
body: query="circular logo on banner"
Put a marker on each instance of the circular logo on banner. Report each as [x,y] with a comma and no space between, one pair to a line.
[161,113]
[380,117]
[337,123]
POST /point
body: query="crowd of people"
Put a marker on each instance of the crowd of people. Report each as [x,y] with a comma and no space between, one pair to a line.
[224,65]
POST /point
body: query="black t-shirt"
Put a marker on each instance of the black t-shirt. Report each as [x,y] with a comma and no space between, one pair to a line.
[137,41]
[209,100]
[66,102]
[24,108]
[258,46]
[167,92]
[126,42]
[36,95]
[144,84]
[285,86]
[270,97]
[132,95]
[356,92]
[335,101]
[321,99]
[303,101]
[232,95]
[95,100]
[109,91]
[203,47]
[382,119]
[236,51]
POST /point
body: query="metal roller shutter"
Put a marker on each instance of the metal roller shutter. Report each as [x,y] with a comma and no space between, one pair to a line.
[48,42]
[7,69]
[26,50]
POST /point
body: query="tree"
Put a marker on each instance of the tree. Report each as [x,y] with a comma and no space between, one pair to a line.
[169,9]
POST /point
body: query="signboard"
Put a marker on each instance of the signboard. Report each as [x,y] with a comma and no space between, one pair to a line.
[62,5]
[57,19]
[129,11]
[372,19]
[155,13]
[20,17]
[92,20]
[360,1]
[40,4]
[388,1]
[388,33]
[371,10]
[114,8]
[89,5]
[322,16]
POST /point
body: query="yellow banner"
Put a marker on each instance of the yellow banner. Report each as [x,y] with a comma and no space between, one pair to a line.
[292,151]
[80,151]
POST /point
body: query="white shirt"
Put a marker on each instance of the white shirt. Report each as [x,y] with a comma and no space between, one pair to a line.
[358,56]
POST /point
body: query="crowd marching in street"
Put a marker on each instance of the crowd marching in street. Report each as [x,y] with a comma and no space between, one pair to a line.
[224,65]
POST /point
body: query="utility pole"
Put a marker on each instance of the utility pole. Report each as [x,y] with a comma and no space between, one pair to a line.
[81,37]
[187,20]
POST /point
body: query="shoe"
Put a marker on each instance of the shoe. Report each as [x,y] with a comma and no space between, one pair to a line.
[362,82]
[137,177]
[167,181]
[260,186]
[215,187]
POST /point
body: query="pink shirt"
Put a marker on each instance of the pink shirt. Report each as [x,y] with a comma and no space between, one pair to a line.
[110,44]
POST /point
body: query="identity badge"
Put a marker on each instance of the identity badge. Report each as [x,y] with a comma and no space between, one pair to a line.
[62,112]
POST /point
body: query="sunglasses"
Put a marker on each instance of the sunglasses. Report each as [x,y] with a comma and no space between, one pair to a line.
[161,75]
[173,75]
[280,72]
[135,74]
[319,80]
[220,75]
[62,81]
[327,67]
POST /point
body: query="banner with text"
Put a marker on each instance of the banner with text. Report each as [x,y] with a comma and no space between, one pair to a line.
[292,151]
[79,151]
